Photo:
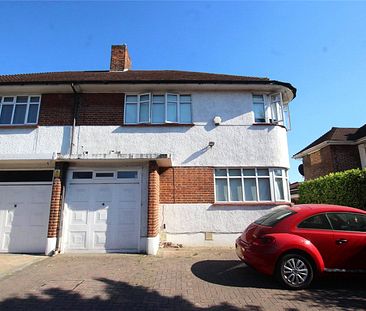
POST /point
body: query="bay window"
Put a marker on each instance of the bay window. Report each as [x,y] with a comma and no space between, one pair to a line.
[19,110]
[158,108]
[251,185]
[271,109]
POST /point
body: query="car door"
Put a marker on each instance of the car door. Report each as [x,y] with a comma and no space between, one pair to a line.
[349,239]
[317,229]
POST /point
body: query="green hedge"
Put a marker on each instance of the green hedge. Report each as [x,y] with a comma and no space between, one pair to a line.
[342,188]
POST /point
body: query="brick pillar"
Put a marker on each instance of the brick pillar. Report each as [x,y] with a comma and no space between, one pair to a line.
[153,200]
[55,210]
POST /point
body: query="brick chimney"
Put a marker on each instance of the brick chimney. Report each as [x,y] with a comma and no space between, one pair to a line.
[120,60]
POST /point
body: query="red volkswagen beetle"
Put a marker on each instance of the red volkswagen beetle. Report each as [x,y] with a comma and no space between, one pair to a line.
[296,243]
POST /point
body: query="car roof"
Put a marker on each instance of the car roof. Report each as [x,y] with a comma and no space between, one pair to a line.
[310,209]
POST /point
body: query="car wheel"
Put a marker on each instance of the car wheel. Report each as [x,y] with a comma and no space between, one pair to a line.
[295,271]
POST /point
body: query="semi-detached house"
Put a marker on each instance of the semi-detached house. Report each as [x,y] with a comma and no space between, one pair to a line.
[119,160]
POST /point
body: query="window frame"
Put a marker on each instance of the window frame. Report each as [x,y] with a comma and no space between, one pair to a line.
[151,105]
[264,107]
[270,177]
[14,103]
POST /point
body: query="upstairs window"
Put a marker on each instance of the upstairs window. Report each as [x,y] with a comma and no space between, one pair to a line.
[259,108]
[19,110]
[158,108]
[271,109]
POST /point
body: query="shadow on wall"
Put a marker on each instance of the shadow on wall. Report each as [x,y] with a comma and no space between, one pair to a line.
[66,140]
[196,154]
[264,209]
[151,129]
[116,296]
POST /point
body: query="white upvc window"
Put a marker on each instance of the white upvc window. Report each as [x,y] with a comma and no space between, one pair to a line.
[19,110]
[158,108]
[275,111]
[251,185]
[276,108]
[259,108]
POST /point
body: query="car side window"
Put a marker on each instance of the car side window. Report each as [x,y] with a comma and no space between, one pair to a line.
[348,221]
[319,221]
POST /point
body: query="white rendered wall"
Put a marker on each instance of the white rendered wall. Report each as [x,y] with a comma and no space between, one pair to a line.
[237,141]
[187,223]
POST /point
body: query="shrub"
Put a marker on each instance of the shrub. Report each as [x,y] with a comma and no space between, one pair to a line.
[342,188]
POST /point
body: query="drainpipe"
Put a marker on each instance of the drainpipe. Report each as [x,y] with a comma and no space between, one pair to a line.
[75,117]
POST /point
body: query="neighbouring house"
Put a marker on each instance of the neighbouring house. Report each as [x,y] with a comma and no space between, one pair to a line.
[337,150]
[118,160]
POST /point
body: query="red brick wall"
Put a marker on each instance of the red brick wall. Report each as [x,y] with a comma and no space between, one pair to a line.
[332,158]
[56,109]
[94,109]
[101,109]
[153,200]
[346,157]
[186,185]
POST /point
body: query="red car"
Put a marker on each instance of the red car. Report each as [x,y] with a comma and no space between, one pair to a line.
[296,243]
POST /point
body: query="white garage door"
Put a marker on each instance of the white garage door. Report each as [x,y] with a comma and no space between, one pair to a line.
[24,213]
[103,212]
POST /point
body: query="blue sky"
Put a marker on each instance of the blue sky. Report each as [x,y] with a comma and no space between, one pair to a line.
[319,47]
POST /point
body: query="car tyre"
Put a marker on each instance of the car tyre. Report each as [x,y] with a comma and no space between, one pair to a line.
[295,271]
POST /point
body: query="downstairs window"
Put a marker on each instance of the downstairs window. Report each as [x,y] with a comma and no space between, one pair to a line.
[251,185]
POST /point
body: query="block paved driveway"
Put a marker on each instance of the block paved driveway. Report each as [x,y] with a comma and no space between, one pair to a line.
[183,279]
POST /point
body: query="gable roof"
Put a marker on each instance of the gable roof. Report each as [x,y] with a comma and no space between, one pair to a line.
[337,134]
[135,76]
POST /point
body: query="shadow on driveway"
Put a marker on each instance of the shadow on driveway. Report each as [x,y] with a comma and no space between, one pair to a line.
[331,291]
[231,273]
[117,295]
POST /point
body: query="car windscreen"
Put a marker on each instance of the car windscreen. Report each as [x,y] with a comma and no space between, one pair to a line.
[274,217]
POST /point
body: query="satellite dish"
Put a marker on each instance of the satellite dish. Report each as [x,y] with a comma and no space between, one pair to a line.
[301,169]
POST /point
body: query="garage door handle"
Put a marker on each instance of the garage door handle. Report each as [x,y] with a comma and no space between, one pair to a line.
[341,241]
[15,206]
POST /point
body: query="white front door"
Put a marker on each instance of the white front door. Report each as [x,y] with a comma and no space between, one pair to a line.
[103,217]
[24,213]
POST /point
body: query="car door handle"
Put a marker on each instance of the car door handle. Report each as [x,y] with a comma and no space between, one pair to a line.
[341,241]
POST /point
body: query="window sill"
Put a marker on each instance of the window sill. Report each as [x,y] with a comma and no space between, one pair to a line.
[11,126]
[255,203]
[268,124]
[162,124]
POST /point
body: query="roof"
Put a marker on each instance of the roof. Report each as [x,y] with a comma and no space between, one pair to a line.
[338,134]
[361,132]
[135,76]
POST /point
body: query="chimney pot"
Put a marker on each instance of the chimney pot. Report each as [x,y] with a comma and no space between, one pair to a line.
[120,60]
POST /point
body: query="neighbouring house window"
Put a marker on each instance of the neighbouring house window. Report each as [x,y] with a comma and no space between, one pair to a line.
[19,110]
[158,108]
[251,184]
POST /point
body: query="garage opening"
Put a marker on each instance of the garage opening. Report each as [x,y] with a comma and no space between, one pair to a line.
[103,211]
[24,210]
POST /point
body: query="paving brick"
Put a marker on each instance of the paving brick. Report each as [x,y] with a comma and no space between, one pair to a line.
[184,279]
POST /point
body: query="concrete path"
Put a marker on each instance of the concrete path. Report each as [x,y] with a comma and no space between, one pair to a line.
[183,279]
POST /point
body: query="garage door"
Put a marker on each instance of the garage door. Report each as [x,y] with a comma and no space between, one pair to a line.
[103,212]
[24,213]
